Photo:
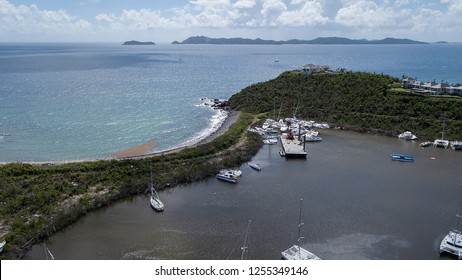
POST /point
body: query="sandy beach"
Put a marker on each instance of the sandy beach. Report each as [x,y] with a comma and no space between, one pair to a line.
[141,151]
[230,119]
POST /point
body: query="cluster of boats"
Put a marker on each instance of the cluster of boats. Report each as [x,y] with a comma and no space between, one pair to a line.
[231,175]
[439,143]
[271,129]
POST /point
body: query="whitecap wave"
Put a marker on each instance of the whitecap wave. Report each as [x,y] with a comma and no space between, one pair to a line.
[216,121]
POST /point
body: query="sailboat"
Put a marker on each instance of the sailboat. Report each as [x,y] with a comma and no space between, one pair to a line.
[156,204]
[244,247]
[296,252]
[48,254]
[452,242]
[441,143]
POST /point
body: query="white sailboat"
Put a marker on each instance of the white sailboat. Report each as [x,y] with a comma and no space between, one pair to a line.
[441,143]
[156,204]
[48,253]
[296,252]
[452,242]
[245,247]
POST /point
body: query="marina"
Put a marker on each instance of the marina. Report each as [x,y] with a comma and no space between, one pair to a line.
[352,210]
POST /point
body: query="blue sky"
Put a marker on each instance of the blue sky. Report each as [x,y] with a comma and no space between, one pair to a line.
[164,21]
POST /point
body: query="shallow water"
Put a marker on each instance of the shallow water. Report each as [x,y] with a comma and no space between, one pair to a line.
[357,204]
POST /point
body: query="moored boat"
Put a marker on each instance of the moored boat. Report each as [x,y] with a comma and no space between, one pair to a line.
[155,201]
[425,144]
[400,157]
[407,135]
[452,242]
[296,252]
[456,145]
[226,177]
[441,143]
[255,166]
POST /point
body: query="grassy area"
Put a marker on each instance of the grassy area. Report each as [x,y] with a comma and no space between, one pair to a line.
[38,200]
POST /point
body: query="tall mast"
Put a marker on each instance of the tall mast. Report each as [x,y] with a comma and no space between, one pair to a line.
[244,248]
[300,224]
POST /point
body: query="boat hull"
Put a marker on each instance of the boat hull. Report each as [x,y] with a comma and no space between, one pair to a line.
[226,178]
[255,166]
[157,205]
[298,253]
[404,158]
[452,244]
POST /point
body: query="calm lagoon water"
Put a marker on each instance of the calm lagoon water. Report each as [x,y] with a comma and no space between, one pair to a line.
[357,204]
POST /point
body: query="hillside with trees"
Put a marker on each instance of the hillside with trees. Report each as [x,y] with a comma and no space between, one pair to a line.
[358,101]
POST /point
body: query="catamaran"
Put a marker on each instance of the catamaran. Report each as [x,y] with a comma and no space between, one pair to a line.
[452,242]
[296,252]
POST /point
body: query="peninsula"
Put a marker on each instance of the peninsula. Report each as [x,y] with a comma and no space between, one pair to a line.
[40,199]
[134,43]
[320,40]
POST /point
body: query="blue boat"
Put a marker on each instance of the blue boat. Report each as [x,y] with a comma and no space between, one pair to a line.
[399,157]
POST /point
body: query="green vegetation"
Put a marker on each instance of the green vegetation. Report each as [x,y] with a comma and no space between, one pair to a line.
[354,100]
[37,200]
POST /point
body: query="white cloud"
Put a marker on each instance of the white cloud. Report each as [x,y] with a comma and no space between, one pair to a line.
[351,18]
[369,15]
[31,20]
[244,4]
[307,15]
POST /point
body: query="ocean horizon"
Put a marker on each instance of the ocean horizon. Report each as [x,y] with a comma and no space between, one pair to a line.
[84,101]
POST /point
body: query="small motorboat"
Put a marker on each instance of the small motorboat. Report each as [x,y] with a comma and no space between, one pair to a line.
[400,157]
[226,177]
[426,144]
[254,166]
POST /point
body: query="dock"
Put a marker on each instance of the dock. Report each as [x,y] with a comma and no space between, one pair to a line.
[293,147]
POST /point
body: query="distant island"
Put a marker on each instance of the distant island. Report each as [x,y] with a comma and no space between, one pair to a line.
[319,40]
[130,43]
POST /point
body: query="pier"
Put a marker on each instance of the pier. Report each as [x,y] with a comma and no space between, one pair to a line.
[292,147]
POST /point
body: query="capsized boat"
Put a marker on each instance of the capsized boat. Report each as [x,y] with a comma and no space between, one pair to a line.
[400,157]
[452,242]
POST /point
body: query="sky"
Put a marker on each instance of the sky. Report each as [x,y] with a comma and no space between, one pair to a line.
[163,21]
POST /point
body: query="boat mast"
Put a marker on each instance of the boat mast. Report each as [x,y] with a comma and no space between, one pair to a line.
[457,230]
[300,224]
[444,124]
[152,185]
[244,248]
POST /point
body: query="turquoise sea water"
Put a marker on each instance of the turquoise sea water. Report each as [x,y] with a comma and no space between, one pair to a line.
[84,101]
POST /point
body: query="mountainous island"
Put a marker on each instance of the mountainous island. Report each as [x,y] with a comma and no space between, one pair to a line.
[320,40]
[134,43]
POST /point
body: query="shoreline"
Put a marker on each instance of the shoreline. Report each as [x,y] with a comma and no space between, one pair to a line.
[231,118]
